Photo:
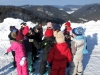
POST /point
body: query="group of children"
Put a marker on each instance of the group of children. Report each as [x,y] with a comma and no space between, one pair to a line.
[60,49]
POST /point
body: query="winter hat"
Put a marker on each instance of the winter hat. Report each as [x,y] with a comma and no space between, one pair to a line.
[60,37]
[56,27]
[49,33]
[49,24]
[67,24]
[77,31]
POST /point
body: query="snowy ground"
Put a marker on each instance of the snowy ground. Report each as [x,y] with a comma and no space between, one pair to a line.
[91,61]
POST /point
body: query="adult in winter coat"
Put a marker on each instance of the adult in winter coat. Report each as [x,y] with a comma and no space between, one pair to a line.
[20,56]
[59,55]
[77,46]
[47,43]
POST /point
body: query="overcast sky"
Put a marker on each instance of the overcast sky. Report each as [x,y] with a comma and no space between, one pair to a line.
[47,2]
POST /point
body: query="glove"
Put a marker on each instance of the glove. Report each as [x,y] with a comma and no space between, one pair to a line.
[48,64]
[6,53]
[22,61]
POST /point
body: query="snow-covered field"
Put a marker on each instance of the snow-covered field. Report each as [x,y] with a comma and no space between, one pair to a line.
[91,60]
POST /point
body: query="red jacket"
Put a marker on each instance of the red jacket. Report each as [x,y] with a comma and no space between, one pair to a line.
[60,51]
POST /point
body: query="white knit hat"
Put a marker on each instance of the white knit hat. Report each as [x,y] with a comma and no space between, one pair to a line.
[60,37]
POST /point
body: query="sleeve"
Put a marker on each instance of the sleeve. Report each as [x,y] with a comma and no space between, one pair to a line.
[51,55]
[9,49]
[69,56]
[37,44]
[73,47]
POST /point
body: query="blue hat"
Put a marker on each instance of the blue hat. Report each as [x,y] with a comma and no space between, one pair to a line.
[77,31]
[56,27]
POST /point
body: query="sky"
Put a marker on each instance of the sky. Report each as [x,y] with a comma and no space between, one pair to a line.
[47,2]
[91,61]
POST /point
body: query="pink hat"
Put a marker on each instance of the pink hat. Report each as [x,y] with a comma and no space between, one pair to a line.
[49,24]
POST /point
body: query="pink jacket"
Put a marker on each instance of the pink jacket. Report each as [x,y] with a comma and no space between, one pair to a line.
[19,50]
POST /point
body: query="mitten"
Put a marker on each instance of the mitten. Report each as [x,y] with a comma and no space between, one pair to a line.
[22,61]
[6,53]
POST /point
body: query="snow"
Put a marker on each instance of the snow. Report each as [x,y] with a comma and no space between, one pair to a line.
[91,60]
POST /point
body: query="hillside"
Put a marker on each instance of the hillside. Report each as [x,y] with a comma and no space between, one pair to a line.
[41,14]
[15,12]
[50,12]
[89,12]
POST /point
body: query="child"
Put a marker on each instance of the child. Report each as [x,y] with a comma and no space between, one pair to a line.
[59,55]
[77,46]
[47,44]
[20,56]
[11,39]
[27,45]
[67,32]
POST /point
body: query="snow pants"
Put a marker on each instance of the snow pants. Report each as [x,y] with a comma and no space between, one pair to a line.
[30,63]
[22,70]
[42,68]
[58,67]
[76,66]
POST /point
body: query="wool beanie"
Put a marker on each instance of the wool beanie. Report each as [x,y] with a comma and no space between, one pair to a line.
[67,24]
[77,31]
[49,24]
[49,33]
[60,37]
[56,27]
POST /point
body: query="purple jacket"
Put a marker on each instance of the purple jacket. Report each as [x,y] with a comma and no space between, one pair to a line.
[19,50]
